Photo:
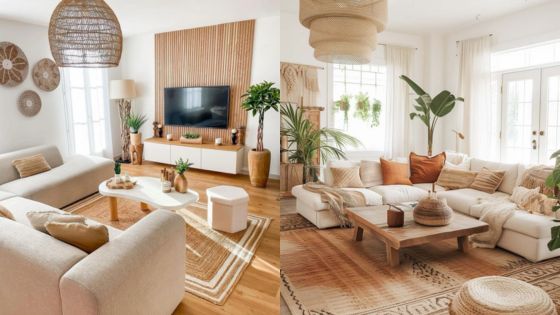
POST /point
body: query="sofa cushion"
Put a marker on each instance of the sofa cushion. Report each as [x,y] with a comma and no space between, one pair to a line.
[87,237]
[19,207]
[395,173]
[31,165]
[79,177]
[488,180]
[532,225]
[39,219]
[327,176]
[462,200]
[425,169]
[5,213]
[9,173]
[455,178]
[399,193]
[314,199]
[346,177]
[370,173]
[510,176]
[6,195]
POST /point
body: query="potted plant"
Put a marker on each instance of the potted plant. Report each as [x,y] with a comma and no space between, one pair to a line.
[191,137]
[135,122]
[343,104]
[117,169]
[258,100]
[375,112]
[429,109]
[180,183]
[363,107]
[305,141]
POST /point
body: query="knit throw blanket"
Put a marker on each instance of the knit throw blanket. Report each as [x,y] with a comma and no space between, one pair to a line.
[338,200]
[495,212]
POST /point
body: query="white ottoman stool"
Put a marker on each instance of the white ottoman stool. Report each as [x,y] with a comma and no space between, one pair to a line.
[227,208]
[500,295]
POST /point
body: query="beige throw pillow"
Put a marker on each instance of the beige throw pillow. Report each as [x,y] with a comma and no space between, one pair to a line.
[540,204]
[39,219]
[488,181]
[450,178]
[31,165]
[86,237]
[5,213]
[522,195]
[346,177]
[370,173]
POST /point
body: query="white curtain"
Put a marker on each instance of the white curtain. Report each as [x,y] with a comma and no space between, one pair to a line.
[475,78]
[397,136]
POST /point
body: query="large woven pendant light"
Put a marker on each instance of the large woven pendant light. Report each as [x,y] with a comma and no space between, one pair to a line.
[343,31]
[85,34]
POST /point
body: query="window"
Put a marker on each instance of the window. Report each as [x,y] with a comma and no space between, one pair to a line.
[356,82]
[86,103]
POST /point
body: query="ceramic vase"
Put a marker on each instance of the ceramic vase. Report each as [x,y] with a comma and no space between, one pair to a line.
[180,183]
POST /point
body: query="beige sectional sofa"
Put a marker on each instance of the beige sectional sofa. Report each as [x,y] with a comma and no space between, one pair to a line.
[67,182]
[524,234]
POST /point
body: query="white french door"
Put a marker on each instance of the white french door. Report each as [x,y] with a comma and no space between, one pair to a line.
[530,121]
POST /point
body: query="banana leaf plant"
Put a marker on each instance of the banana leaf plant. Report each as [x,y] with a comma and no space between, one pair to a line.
[429,109]
[553,181]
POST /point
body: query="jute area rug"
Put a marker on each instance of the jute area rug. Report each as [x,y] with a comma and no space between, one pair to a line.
[325,272]
[215,260]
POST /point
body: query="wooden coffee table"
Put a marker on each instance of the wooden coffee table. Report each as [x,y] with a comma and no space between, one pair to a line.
[147,191]
[374,219]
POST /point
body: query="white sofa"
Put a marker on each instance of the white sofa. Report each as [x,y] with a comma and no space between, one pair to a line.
[139,271]
[524,234]
[67,182]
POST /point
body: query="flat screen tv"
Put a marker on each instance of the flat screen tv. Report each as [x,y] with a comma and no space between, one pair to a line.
[204,107]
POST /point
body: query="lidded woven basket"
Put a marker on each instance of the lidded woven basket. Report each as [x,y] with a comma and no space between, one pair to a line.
[432,211]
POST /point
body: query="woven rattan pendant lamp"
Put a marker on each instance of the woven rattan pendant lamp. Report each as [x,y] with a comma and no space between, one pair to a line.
[343,31]
[85,34]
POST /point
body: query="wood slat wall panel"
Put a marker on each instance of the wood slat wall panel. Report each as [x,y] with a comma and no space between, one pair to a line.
[207,56]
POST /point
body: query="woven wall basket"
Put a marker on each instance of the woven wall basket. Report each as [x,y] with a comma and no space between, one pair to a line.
[46,75]
[85,34]
[13,65]
[29,103]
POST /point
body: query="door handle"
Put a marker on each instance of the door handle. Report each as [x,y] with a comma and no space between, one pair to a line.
[541,133]
[534,143]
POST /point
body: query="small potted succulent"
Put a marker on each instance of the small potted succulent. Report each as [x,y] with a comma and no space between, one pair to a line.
[180,183]
[117,169]
[135,122]
[191,137]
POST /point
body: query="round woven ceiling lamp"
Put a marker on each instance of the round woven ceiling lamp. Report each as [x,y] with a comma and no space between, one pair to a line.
[343,31]
[85,34]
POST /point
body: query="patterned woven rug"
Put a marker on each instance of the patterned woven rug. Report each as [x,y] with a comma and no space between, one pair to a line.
[294,221]
[215,260]
[325,272]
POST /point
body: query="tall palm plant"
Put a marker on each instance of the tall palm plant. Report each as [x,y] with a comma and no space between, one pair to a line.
[305,141]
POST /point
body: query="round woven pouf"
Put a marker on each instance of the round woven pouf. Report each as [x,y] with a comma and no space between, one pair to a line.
[432,212]
[500,295]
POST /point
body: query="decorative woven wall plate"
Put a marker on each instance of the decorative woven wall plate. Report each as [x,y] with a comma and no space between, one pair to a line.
[29,103]
[13,64]
[46,75]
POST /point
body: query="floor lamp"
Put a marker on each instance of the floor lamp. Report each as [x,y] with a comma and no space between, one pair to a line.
[124,91]
[458,136]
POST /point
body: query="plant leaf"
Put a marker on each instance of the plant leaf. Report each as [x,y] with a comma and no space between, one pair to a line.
[415,87]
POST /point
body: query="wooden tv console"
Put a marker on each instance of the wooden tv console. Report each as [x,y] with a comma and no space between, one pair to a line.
[217,158]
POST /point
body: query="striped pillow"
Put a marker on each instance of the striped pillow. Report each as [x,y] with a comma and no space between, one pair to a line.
[488,181]
[450,178]
[31,165]
[346,177]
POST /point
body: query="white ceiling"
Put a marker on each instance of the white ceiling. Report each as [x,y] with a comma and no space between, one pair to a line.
[144,16]
[441,16]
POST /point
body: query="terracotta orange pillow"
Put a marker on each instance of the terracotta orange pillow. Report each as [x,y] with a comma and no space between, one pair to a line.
[425,169]
[394,173]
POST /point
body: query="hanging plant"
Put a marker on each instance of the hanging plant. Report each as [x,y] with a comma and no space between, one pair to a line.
[375,112]
[343,104]
[363,106]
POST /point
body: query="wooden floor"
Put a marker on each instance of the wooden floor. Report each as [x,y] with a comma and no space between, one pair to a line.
[258,291]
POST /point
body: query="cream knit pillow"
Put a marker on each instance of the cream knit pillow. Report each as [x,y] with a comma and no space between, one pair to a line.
[86,237]
[522,195]
[346,177]
[370,173]
[39,219]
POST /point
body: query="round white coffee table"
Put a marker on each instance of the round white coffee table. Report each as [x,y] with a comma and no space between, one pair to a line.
[147,191]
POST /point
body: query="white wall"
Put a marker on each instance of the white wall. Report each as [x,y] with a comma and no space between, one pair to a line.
[530,26]
[138,63]
[47,127]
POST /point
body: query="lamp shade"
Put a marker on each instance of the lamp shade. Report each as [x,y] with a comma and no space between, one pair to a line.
[122,89]
[85,34]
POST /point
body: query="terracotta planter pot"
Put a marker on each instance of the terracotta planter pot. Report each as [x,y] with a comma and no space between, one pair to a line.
[135,138]
[259,167]
[180,183]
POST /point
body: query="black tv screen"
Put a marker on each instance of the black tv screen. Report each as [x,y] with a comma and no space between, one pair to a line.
[204,107]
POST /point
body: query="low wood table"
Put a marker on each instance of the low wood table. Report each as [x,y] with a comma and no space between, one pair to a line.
[374,219]
[147,191]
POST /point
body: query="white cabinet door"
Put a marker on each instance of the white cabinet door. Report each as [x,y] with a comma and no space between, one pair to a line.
[192,154]
[157,152]
[221,161]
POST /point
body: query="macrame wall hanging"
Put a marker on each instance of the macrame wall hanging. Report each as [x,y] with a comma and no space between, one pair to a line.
[299,84]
